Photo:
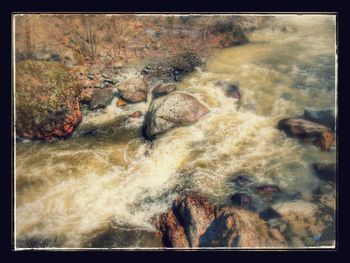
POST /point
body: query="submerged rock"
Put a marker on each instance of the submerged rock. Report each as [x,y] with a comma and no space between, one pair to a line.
[194,222]
[101,98]
[47,100]
[163,89]
[324,117]
[173,110]
[133,90]
[325,171]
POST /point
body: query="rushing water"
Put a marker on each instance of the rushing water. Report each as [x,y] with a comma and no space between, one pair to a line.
[106,176]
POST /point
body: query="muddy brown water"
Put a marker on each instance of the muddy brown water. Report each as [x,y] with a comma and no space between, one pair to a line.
[106,178]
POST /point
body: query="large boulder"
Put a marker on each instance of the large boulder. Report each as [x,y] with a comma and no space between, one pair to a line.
[47,100]
[195,222]
[173,110]
[308,131]
[134,90]
[101,98]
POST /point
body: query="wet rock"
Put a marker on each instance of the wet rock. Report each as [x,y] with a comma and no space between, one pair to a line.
[173,110]
[120,102]
[302,128]
[233,92]
[101,98]
[163,89]
[86,95]
[133,90]
[136,114]
[47,100]
[325,171]
[194,222]
[324,117]
[308,131]
[241,199]
[269,213]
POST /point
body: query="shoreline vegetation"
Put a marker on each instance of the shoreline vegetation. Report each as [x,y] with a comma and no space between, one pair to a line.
[67,65]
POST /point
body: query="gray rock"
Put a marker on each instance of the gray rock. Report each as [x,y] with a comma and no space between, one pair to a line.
[101,98]
[133,90]
[173,110]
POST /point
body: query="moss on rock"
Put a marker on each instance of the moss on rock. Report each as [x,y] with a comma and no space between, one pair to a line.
[46,100]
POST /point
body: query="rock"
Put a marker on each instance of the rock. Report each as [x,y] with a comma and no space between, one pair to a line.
[104,75]
[69,59]
[304,220]
[241,199]
[120,102]
[136,114]
[173,110]
[134,90]
[47,56]
[306,130]
[47,100]
[269,213]
[171,231]
[194,222]
[173,67]
[86,95]
[302,128]
[233,92]
[163,89]
[101,98]
[90,77]
[325,171]
[118,66]
[324,117]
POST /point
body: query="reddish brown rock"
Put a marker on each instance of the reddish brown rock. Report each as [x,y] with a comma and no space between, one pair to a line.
[308,131]
[195,222]
[136,114]
[120,102]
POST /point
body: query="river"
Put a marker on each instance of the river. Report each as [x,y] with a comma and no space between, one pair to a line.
[69,191]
